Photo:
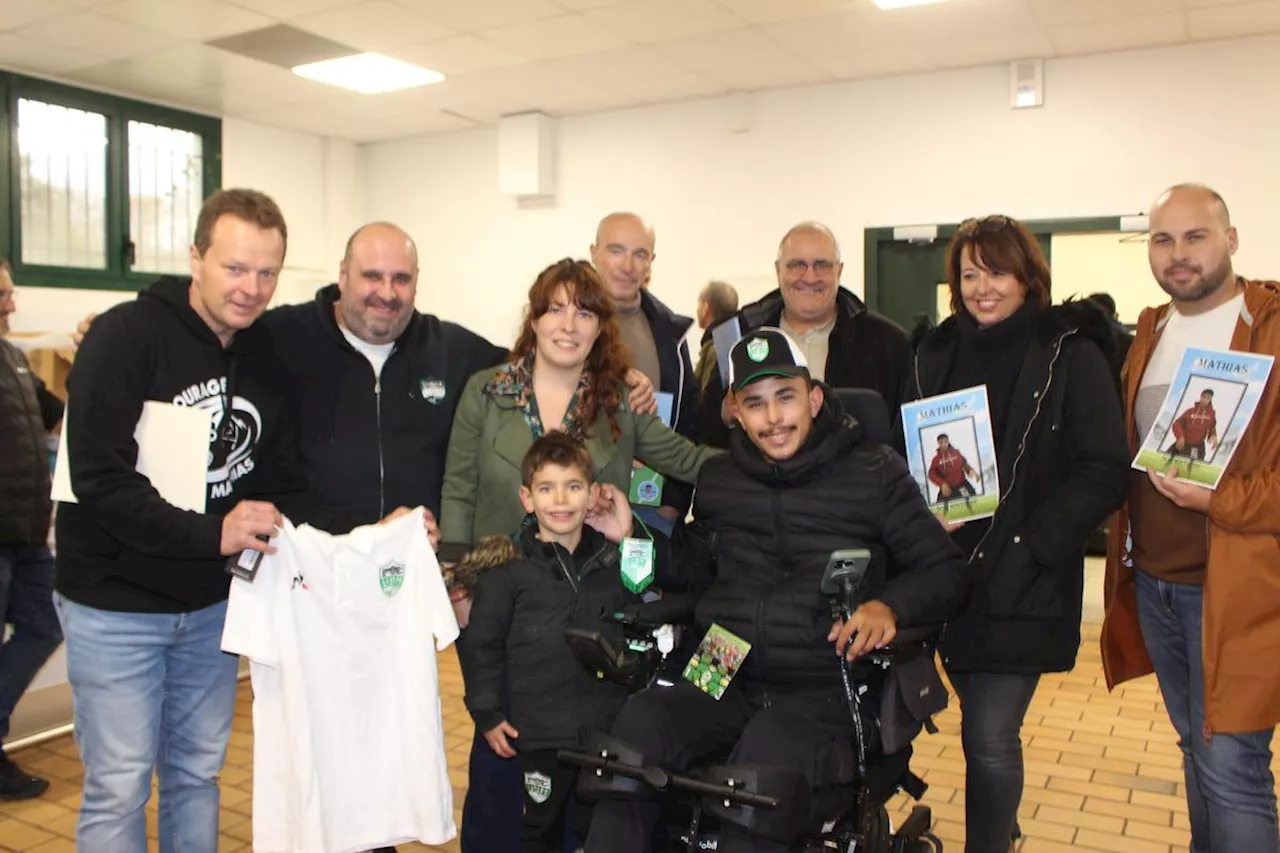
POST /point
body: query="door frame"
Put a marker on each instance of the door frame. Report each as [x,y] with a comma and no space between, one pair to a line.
[874,237]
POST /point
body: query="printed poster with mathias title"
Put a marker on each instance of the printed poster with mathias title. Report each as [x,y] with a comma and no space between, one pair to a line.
[952,455]
[1210,403]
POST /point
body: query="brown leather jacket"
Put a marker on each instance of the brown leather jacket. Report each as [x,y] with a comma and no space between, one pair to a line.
[1242,587]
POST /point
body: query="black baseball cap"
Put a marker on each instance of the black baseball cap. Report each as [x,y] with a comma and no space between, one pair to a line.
[764,352]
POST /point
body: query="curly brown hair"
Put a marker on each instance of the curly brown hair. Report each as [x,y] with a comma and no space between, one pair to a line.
[1004,246]
[607,361]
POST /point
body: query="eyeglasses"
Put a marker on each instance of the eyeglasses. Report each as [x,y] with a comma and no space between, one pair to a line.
[992,224]
[821,266]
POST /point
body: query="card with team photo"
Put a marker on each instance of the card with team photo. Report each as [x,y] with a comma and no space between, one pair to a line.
[952,454]
[1210,402]
[716,662]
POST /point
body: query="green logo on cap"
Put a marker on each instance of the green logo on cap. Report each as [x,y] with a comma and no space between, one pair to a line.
[758,349]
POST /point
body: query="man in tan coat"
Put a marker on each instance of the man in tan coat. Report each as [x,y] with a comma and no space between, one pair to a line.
[1193,592]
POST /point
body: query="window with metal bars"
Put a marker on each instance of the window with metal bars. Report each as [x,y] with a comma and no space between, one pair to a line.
[96,190]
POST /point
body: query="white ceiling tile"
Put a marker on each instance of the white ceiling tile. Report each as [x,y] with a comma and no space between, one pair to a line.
[769,75]
[1245,19]
[615,66]
[287,10]
[471,15]
[458,55]
[490,110]
[1120,34]
[717,50]
[320,121]
[873,63]
[1058,12]
[830,35]
[15,14]
[579,101]
[658,20]
[570,35]
[191,64]
[429,121]
[98,35]
[1200,4]
[683,86]
[274,86]
[197,20]
[773,11]
[1054,13]
[374,25]
[40,57]
[988,48]
[958,19]
[581,5]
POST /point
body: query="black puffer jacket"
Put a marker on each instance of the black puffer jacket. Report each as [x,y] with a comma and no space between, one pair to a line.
[1063,469]
[522,606]
[27,410]
[866,350]
[775,526]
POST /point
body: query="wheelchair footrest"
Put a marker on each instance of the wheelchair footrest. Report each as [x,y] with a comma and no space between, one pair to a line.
[917,824]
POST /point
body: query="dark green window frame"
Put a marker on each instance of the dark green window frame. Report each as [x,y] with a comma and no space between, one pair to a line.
[119,112]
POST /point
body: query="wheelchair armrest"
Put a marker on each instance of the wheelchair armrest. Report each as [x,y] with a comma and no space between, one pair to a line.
[912,640]
[671,609]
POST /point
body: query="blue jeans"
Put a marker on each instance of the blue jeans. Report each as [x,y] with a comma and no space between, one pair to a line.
[992,708]
[26,603]
[1231,800]
[154,693]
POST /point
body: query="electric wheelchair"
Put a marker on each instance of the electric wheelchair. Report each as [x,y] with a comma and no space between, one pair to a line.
[849,816]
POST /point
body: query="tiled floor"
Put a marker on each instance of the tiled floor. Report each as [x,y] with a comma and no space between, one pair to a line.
[1102,772]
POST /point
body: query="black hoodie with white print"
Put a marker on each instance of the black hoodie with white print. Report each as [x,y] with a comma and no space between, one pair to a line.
[122,547]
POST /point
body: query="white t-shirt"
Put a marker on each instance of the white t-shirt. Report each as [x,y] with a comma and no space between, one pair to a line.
[376,353]
[1210,330]
[341,632]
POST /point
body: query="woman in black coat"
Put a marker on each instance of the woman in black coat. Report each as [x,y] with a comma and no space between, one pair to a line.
[1063,465]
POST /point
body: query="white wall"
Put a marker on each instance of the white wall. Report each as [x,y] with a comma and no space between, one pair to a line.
[1114,131]
[315,181]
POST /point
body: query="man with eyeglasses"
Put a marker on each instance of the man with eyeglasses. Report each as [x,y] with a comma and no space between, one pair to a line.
[846,344]
[27,412]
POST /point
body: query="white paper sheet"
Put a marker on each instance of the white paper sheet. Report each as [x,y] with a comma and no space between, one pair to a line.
[173,453]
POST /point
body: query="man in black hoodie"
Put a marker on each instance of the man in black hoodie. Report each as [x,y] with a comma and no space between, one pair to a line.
[847,344]
[799,482]
[140,585]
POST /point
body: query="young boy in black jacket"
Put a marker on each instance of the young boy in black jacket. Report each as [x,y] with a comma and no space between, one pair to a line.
[558,573]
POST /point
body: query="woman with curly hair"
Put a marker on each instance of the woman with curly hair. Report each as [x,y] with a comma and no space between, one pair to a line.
[566,373]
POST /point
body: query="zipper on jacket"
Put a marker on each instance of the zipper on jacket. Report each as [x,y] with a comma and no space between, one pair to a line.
[568,575]
[382,474]
[1022,445]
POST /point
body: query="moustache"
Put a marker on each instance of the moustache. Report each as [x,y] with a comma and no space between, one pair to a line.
[1182,268]
[392,305]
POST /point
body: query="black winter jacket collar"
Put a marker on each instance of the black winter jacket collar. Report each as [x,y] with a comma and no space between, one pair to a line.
[370,444]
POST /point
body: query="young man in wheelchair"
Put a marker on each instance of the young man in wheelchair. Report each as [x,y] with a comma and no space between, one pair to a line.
[799,483]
